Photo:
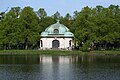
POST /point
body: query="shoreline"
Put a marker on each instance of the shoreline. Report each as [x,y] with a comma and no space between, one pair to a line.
[58,52]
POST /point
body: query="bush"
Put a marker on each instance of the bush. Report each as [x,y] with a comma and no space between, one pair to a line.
[85,49]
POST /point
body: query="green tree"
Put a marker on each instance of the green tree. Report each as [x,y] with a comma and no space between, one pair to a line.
[29,20]
[41,13]
[67,21]
[9,28]
[56,15]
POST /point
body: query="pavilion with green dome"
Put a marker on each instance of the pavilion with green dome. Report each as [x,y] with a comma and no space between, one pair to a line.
[56,36]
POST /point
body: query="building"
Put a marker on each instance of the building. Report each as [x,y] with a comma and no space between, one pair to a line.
[56,36]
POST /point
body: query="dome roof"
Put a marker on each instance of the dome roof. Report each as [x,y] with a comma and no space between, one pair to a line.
[57,26]
[68,34]
[56,30]
[44,33]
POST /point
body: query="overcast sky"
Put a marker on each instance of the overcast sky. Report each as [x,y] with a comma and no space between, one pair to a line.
[51,6]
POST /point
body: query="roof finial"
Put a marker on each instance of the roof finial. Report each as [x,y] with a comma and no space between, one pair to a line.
[58,21]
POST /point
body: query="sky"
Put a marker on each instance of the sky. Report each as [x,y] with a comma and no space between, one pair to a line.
[52,6]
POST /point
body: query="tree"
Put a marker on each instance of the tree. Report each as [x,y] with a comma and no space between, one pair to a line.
[41,13]
[29,20]
[43,24]
[95,28]
[2,14]
[67,21]
[68,16]
[56,15]
[9,28]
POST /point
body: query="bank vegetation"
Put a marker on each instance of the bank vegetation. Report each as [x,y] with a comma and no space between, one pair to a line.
[94,28]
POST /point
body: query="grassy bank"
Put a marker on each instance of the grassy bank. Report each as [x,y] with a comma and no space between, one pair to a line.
[45,52]
[55,52]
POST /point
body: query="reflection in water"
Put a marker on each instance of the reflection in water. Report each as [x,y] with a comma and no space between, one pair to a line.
[34,59]
[37,59]
[44,67]
[59,59]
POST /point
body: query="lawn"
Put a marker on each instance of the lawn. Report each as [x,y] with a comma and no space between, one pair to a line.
[55,52]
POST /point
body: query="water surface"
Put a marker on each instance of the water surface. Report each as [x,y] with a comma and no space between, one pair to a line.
[44,67]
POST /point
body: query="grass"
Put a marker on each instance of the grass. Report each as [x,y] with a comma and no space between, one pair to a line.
[45,52]
[55,52]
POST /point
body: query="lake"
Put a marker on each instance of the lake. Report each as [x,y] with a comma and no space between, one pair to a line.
[47,67]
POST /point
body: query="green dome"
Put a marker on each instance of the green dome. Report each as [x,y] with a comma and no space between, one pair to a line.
[57,26]
[44,33]
[57,29]
[68,34]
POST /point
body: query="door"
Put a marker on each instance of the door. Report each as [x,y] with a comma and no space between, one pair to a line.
[55,44]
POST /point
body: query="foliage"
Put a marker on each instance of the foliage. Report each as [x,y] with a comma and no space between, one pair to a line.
[94,28]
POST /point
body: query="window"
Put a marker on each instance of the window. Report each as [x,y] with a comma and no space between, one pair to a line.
[41,43]
[70,43]
[56,31]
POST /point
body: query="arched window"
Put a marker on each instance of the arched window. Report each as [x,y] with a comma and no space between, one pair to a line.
[41,43]
[56,31]
[70,43]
